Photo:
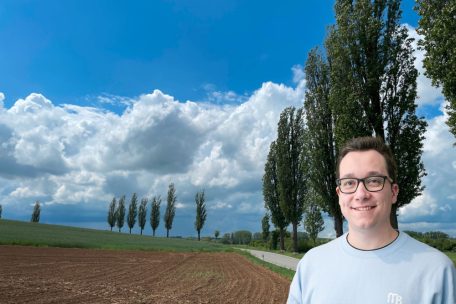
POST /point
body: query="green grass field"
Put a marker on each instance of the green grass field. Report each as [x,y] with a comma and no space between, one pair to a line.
[452,256]
[33,234]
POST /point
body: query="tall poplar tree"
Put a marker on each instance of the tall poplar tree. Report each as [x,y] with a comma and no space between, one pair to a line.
[132,211]
[265,227]
[170,211]
[271,194]
[112,213]
[142,213]
[36,213]
[313,222]
[201,213]
[438,26]
[373,86]
[155,213]
[120,213]
[1,209]
[292,176]
[320,143]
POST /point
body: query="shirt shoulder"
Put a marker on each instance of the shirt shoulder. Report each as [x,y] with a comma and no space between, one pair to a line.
[424,252]
[323,253]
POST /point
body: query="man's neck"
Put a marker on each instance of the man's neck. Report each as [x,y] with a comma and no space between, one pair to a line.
[369,240]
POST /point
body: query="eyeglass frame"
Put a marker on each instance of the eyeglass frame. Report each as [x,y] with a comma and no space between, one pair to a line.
[362,180]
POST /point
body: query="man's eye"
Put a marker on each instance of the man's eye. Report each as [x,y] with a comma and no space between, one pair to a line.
[349,183]
[374,181]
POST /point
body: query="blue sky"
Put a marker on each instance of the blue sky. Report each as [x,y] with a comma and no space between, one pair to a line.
[74,50]
[104,98]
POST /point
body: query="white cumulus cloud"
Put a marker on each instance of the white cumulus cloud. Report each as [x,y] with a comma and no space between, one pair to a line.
[69,154]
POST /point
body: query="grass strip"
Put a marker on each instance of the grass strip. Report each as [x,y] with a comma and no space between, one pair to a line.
[284,272]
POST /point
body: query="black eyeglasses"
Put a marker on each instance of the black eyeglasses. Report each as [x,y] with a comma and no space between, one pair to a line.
[371,183]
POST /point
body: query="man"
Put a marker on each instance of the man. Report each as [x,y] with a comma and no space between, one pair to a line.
[372,263]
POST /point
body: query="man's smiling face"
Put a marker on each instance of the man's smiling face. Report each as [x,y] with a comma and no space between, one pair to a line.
[364,210]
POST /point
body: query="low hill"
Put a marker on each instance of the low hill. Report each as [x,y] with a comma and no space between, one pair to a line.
[35,234]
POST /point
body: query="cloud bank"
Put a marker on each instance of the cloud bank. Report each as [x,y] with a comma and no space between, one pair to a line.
[72,155]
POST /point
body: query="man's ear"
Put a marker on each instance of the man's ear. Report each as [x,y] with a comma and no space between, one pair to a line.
[395,192]
[337,191]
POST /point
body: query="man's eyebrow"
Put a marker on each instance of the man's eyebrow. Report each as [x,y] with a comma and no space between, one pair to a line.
[370,173]
[375,173]
[348,175]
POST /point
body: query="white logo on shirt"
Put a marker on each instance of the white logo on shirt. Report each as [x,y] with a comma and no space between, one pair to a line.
[394,298]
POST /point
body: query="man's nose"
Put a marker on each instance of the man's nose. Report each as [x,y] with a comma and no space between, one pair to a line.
[361,192]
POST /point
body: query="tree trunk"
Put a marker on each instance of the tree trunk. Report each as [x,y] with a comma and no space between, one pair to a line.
[153,232]
[295,237]
[338,224]
[111,228]
[141,231]
[167,233]
[130,230]
[282,240]
[393,217]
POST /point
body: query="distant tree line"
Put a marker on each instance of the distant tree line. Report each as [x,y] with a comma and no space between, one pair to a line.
[258,239]
[117,212]
[270,239]
[436,239]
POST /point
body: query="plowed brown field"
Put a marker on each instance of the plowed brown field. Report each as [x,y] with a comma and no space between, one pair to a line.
[62,275]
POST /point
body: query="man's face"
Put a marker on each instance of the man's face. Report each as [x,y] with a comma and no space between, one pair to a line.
[364,210]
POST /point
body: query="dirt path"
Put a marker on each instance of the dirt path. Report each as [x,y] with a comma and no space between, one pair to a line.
[60,275]
[275,258]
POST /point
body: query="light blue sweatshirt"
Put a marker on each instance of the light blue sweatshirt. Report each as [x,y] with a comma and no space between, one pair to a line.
[404,272]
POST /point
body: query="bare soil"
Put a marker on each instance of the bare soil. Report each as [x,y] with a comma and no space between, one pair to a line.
[64,275]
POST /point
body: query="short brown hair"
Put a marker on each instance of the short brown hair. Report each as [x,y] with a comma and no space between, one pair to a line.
[369,143]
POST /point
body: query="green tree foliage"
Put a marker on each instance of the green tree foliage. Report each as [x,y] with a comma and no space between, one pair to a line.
[437,239]
[155,213]
[142,213]
[170,211]
[120,213]
[275,235]
[1,209]
[36,213]
[271,194]
[373,86]
[112,213]
[265,227]
[216,233]
[257,236]
[227,238]
[436,235]
[132,211]
[291,159]
[200,212]
[242,237]
[313,222]
[438,26]
[320,143]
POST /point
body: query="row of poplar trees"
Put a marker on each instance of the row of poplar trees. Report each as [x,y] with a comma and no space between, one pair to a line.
[116,212]
[363,84]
